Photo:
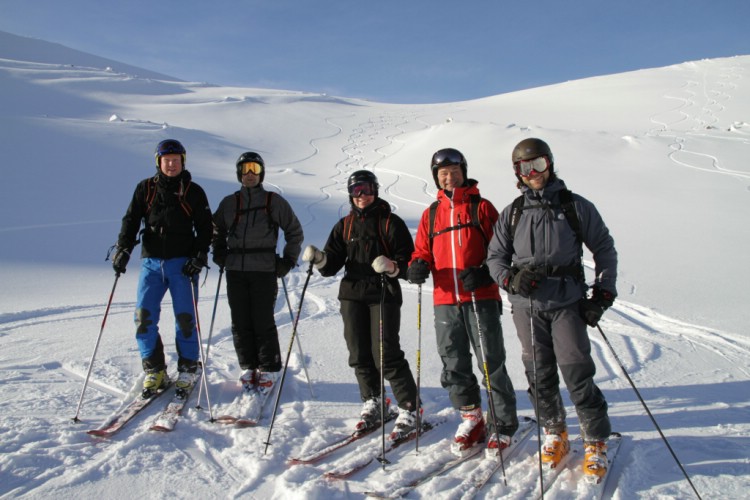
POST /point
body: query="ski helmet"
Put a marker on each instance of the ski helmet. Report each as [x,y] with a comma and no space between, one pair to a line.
[447,157]
[250,157]
[169,146]
[359,177]
[528,149]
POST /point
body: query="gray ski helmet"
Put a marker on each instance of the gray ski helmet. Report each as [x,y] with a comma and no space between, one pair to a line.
[248,157]
[446,157]
[528,149]
[362,176]
[169,146]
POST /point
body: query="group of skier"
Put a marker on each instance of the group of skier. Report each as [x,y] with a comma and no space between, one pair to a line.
[533,250]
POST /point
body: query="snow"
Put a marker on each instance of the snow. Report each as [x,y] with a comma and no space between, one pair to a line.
[661,152]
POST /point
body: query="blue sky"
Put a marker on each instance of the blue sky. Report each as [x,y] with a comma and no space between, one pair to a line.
[405,51]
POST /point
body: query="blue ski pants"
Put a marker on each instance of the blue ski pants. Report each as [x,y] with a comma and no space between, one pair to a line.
[157,276]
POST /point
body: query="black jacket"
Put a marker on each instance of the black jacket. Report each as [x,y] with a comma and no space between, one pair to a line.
[354,243]
[175,215]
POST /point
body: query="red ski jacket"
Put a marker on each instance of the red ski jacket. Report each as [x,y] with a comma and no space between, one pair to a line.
[458,242]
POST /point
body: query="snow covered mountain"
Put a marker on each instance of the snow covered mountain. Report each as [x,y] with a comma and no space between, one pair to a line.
[662,152]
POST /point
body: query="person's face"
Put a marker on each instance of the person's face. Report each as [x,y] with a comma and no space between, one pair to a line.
[363,200]
[250,180]
[536,180]
[450,177]
[171,164]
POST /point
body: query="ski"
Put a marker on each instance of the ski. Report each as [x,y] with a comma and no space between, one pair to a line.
[125,414]
[485,469]
[248,409]
[595,488]
[167,419]
[550,474]
[365,455]
[483,475]
[319,454]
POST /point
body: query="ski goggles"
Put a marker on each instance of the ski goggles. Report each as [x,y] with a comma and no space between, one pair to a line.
[361,189]
[251,167]
[525,168]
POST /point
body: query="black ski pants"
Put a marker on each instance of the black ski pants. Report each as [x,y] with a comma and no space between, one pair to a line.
[252,299]
[362,334]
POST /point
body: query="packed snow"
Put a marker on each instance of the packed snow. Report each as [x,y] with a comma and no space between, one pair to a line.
[663,153]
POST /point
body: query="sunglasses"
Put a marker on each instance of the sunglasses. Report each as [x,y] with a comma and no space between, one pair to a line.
[446,157]
[251,167]
[361,189]
[525,168]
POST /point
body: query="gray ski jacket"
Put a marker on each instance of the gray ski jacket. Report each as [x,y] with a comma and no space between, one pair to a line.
[247,223]
[545,240]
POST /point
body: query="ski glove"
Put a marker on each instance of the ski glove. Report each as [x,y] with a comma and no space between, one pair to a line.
[195,265]
[220,256]
[592,309]
[317,257]
[383,264]
[283,266]
[475,277]
[120,260]
[523,282]
[418,272]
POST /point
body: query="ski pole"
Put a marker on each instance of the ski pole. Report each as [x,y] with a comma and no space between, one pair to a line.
[210,332]
[383,408]
[490,398]
[299,345]
[419,360]
[288,354]
[204,380]
[96,347]
[645,407]
[536,397]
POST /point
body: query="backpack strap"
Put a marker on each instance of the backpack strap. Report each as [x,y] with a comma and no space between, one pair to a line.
[569,209]
[383,233]
[474,201]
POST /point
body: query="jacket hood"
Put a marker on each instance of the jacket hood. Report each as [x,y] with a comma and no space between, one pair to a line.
[469,188]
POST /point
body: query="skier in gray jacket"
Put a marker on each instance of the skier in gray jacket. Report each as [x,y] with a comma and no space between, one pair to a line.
[537,259]
[246,227]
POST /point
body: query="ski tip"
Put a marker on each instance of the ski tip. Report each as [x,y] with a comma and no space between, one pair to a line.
[241,422]
[160,428]
[98,433]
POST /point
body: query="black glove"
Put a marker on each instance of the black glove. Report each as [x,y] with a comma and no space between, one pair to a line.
[592,309]
[283,266]
[523,282]
[120,260]
[195,265]
[418,272]
[475,277]
[220,256]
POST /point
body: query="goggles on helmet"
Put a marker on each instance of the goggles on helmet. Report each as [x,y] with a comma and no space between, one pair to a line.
[361,189]
[446,157]
[251,167]
[538,165]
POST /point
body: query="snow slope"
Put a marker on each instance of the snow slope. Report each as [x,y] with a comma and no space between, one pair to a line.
[662,152]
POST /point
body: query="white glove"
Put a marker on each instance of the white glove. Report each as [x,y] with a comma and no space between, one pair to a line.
[312,254]
[383,264]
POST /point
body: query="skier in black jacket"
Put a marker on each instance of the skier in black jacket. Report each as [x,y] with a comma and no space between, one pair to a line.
[368,243]
[176,234]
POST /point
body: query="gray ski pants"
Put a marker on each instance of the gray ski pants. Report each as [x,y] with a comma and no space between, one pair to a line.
[456,333]
[561,339]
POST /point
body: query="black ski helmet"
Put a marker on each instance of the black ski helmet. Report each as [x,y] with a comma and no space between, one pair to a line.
[362,176]
[248,157]
[528,149]
[447,157]
[166,147]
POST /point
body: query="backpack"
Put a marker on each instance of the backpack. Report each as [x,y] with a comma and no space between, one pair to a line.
[151,196]
[239,211]
[568,208]
[383,226]
[566,205]
[474,200]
